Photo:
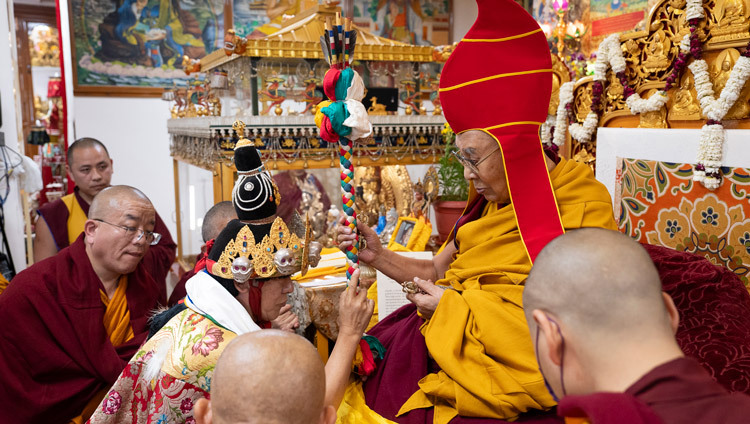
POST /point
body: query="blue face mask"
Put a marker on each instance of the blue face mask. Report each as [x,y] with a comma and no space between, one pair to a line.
[562,357]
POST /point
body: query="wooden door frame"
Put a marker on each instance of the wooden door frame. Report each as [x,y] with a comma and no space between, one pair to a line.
[24,15]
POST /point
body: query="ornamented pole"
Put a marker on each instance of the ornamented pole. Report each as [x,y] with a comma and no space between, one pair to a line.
[343,118]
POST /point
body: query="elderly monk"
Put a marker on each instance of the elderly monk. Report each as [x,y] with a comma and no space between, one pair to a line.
[246,385]
[465,352]
[604,334]
[213,222]
[70,323]
[62,221]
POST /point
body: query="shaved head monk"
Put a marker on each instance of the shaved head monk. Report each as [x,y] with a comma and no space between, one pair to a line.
[70,323]
[62,221]
[604,332]
[267,376]
[213,222]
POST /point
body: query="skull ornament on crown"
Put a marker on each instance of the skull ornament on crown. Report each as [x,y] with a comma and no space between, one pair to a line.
[259,244]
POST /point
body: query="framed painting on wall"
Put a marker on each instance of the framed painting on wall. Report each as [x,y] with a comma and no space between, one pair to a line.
[137,47]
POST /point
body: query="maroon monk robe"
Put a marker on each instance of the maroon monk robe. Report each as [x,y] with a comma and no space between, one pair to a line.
[291,195]
[681,391]
[608,408]
[179,292]
[54,351]
[158,260]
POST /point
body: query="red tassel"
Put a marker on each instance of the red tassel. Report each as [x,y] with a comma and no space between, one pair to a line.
[329,83]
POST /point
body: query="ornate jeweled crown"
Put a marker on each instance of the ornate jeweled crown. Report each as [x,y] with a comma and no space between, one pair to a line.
[281,252]
[259,244]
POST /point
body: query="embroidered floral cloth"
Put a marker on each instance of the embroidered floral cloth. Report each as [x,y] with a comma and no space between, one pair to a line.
[658,203]
[188,347]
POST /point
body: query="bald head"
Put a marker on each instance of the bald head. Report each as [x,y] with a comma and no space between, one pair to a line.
[600,283]
[216,219]
[112,199]
[270,377]
[84,143]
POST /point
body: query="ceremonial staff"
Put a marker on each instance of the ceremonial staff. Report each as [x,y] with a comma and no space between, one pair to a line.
[343,118]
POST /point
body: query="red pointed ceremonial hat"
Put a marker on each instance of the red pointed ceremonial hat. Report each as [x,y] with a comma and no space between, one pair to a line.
[499,80]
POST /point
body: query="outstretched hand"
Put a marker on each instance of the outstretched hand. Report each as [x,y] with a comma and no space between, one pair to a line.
[427,301]
[346,238]
[355,309]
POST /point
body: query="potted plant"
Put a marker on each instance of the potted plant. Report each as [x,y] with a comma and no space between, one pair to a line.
[454,189]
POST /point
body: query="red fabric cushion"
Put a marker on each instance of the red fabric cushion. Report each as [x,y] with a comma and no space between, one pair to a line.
[714,311]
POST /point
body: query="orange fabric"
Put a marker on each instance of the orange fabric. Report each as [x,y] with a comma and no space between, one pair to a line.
[117,323]
[117,316]
[3,283]
[76,217]
[658,203]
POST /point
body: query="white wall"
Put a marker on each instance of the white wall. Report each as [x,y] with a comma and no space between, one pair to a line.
[464,14]
[135,133]
[11,129]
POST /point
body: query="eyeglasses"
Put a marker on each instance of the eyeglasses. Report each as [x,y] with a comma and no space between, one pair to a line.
[137,233]
[473,165]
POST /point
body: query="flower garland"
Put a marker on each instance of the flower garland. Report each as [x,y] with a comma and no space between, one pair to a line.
[563,111]
[609,56]
[707,168]
[545,132]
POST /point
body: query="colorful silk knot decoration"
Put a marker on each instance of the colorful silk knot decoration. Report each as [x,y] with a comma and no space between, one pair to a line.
[343,117]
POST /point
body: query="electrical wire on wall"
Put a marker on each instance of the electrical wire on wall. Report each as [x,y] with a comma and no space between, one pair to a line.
[10,161]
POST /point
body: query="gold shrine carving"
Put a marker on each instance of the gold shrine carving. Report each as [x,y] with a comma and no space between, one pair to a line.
[654,119]
[729,21]
[655,56]
[685,106]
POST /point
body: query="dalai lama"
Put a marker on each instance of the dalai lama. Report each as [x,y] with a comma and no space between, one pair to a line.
[70,323]
[464,352]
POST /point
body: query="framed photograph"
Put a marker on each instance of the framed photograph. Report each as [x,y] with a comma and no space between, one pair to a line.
[137,47]
[404,231]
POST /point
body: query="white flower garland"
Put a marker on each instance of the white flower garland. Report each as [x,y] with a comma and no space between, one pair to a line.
[561,124]
[609,55]
[694,10]
[544,132]
[583,133]
[712,135]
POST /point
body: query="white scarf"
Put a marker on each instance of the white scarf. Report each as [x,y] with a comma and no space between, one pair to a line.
[207,297]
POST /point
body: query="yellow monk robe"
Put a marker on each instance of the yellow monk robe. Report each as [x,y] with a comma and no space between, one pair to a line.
[117,323]
[478,334]
[3,283]
[76,217]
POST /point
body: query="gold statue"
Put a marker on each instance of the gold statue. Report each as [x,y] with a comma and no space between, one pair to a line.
[730,20]
[582,102]
[685,106]
[615,93]
[656,52]
[654,119]
[376,108]
[555,100]
[720,71]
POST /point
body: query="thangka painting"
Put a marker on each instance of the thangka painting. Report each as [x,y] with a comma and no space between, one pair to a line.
[421,22]
[137,47]
[611,16]
[658,203]
[260,18]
